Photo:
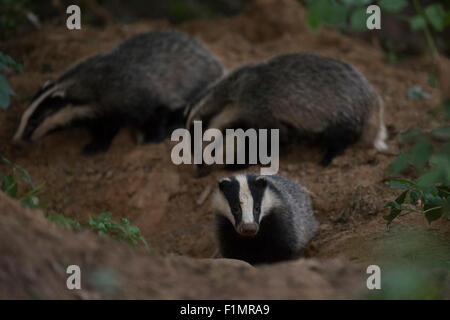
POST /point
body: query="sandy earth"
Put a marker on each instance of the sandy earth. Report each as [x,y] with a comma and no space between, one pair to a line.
[163,200]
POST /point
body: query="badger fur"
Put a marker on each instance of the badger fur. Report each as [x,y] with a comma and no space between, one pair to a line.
[262,219]
[145,82]
[303,95]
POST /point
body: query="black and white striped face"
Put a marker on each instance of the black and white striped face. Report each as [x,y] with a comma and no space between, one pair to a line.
[245,200]
[49,110]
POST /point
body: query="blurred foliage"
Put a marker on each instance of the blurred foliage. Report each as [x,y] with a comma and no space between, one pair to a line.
[104,226]
[123,230]
[63,221]
[351,15]
[6,62]
[414,265]
[10,185]
[428,155]
[13,13]
[180,11]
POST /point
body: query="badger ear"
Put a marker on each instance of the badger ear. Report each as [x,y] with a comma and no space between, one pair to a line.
[223,183]
[261,181]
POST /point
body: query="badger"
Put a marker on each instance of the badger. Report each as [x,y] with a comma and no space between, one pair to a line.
[145,82]
[262,219]
[305,96]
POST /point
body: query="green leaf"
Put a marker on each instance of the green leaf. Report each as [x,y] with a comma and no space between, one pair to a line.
[416,92]
[25,175]
[5,92]
[410,134]
[415,195]
[432,80]
[433,214]
[402,184]
[435,14]
[356,3]
[432,206]
[312,20]
[441,133]
[6,61]
[5,87]
[10,186]
[32,202]
[430,178]
[358,20]
[396,207]
[417,23]
[399,164]
[327,12]
[392,5]
[4,100]
[63,221]
[420,153]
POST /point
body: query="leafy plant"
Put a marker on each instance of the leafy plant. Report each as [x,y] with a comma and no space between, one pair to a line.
[432,201]
[6,62]
[63,221]
[10,185]
[429,157]
[351,14]
[123,230]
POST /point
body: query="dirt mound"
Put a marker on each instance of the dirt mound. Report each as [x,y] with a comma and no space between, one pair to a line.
[35,255]
[168,203]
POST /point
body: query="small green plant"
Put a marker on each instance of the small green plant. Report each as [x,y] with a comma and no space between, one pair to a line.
[432,201]
[10,185]
[429,157]
[104,226]
[123,230]
[6,62]
[63,221]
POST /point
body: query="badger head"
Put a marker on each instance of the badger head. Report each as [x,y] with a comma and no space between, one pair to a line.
[245,200]
[50,109]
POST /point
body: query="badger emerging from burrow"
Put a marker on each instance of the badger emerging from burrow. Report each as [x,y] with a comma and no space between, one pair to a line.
[146,81]
[303,95]
[262,219]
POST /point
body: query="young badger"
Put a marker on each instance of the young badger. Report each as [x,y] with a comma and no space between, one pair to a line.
[303,95]
[262,219]
[146,81]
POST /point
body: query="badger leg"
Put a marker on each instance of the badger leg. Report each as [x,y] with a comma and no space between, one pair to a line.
[103,131]
[155,129]
[337,138]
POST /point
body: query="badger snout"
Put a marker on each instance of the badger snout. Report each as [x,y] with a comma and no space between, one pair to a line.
[248,229]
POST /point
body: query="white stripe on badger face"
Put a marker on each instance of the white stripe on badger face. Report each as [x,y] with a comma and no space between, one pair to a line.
[245,199]
[269,202]
[220,203]
[60,118]
[26,116]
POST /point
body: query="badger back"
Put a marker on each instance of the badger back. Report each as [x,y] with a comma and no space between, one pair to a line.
[310,92]
[172,66]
